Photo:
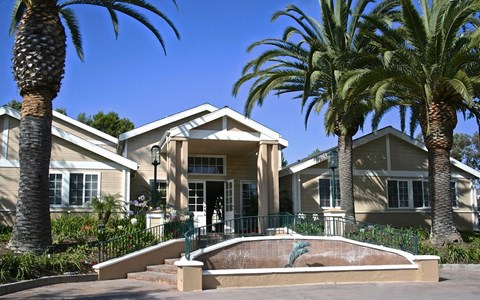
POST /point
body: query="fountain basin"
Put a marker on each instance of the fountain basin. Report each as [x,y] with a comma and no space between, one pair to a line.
[260,261]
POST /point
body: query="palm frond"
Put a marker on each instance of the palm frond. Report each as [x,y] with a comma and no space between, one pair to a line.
[72,24]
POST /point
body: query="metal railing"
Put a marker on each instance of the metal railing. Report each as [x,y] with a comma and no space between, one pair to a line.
[139,239]
[202,237]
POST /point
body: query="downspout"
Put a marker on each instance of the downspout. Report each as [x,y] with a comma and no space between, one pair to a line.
[126,189]
[297,207]
[475,215]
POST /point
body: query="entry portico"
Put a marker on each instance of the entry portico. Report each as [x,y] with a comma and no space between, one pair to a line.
[217,163]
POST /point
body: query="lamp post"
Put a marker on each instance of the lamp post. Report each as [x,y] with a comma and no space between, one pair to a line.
[155,151]
[333,164]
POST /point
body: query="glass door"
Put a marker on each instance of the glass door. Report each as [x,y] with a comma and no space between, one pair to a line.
[196,202]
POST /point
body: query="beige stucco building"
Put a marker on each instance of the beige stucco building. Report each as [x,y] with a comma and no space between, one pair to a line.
[215,157]
[390,183]
[209,157]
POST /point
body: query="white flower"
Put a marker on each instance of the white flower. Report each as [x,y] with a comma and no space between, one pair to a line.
[120,227]
[133,221]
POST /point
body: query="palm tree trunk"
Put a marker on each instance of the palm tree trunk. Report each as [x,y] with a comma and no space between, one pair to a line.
[38,65]
[443,227]
[438,136]
[345,171]
[32,231]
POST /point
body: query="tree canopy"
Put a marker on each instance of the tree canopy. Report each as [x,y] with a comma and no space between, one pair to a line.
[466,148]
[110,122]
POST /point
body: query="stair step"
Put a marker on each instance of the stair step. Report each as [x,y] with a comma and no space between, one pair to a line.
[169,269]
[169,279]
[171,261]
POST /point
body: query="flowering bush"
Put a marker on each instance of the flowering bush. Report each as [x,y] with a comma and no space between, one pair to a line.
[139,205]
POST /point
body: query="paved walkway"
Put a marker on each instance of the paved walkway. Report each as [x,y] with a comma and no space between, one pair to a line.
[454,284]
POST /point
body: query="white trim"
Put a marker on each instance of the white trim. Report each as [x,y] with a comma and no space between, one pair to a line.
[225,135]
[65,196]
[85,127]
[297,193]
[5,132]
[167,120]
[473,193]
[210,156]
[94,148]
[126,189]
[389,155]
[78,141]
[224,123]
[58,165]
[94,165]
[308,162]
[6,163]
[377,173]
[184,129]
[7,110]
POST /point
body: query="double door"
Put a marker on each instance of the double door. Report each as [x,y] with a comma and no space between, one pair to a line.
[211,202]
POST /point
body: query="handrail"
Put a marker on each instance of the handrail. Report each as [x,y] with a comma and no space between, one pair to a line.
[204,236]
[139,239]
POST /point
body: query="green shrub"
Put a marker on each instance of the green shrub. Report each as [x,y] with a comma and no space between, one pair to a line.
[105,205]
[15,267]
[74,228]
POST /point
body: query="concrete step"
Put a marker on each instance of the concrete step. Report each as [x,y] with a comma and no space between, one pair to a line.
[168,269]
[161,278]
[170,261]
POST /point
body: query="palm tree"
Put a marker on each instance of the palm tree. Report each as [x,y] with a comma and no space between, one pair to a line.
[38,65]
[310,60]
[431,66]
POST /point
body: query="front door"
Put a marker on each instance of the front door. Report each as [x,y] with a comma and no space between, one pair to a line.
[196,202]
[229,205]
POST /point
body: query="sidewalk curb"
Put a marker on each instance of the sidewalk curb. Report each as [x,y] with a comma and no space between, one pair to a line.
[459,266]
[14,287]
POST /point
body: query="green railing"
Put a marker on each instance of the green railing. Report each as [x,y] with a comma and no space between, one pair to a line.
[202,237]
[370,233]
[139,239]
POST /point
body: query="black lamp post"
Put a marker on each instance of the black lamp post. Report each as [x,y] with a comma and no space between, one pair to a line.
[155,151]
[333,164]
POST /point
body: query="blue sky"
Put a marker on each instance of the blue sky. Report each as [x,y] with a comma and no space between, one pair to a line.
[132,77]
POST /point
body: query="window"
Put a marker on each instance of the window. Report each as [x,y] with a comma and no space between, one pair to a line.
[83,188]
[55,189]
[161,191]
[325,196]
[196,196]
[420,194]
[413,194]
[206,164]
[76,189]
[453,194]
[249,199]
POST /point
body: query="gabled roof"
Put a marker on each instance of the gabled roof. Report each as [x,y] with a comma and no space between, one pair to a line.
[167,120]
[265,133]
[14,113]
[315,159]
[5,110]
[85,127]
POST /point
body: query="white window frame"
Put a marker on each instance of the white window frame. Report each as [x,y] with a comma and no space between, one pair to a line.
[199,201]
[410,194]
[337,193]
[62,184]
[65,194]
[159,181]
[224,169]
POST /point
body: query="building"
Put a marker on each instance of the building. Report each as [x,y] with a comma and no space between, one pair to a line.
[390,183]
[215,157]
